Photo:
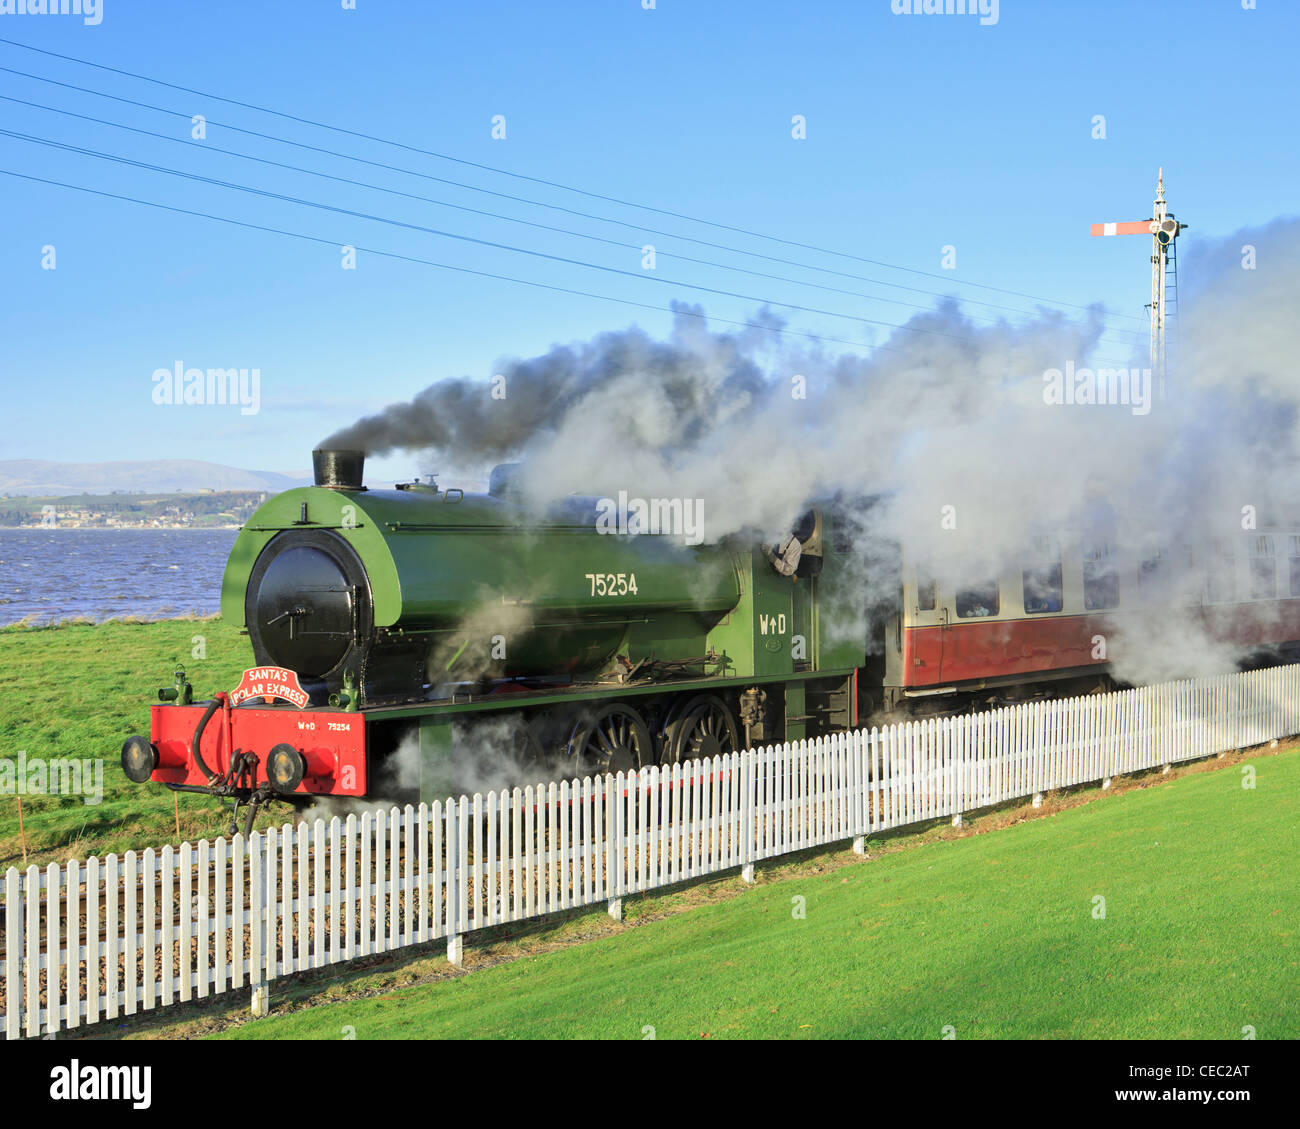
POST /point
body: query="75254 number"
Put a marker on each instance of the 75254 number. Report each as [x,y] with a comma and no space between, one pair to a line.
[612,583]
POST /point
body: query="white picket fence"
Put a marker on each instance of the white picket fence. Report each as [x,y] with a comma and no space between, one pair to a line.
[92,941]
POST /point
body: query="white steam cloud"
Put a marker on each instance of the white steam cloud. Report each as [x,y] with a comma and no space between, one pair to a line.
[949,419]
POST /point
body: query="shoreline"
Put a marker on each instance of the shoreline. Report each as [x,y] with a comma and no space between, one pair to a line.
[131,619]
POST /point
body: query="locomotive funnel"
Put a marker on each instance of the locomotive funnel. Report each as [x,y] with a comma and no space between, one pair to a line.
[338,470]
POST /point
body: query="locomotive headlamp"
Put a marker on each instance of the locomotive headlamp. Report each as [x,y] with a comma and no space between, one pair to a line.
[139,759]
[285,768]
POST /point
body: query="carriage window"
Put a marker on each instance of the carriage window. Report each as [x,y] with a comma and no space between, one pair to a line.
[1263,570]
[1153,576]
[1221,574]
[980,600]
[926,591]
[1163,575]
[1100,578]
[1040,577]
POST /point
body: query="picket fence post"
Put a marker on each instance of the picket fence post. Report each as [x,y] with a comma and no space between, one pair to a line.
[455,942]
[261,1001]
[747,778]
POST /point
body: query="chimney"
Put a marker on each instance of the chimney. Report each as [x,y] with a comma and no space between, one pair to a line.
[338,470]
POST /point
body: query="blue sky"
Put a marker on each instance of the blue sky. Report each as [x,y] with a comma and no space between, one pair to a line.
[921,131]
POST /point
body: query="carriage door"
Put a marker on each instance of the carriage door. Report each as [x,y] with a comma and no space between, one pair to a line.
[925,625]
[972,638]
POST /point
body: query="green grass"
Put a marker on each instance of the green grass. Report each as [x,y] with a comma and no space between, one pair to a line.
[79,690]
[994,935]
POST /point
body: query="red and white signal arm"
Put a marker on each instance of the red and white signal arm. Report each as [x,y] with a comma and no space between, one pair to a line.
[269,682]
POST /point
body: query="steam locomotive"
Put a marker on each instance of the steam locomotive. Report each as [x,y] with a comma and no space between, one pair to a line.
[390,626]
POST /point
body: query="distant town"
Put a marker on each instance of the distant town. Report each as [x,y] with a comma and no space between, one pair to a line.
[203,509]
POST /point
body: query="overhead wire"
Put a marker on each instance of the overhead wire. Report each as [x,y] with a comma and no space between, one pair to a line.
[521,176]
[640,277]
[286,198]
[674,308]
[206,147]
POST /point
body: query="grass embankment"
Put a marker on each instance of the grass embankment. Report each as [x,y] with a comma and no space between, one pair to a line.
[997,935]
[79,690]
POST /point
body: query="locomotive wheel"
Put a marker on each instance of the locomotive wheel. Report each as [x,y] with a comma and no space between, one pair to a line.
[704,728]
[613,739]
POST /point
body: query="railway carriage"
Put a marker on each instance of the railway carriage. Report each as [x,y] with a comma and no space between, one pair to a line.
[1049,622]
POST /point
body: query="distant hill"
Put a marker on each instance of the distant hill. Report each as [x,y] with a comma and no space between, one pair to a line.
[41,478]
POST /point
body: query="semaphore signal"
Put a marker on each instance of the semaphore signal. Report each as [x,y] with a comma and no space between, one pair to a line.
[1164,230]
